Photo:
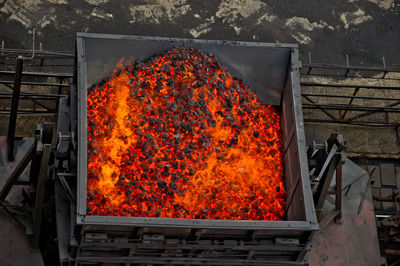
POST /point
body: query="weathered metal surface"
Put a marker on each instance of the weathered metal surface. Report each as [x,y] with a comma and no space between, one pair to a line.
[10,171]
[63,222]
[15,247]
[263,66]
[355,240]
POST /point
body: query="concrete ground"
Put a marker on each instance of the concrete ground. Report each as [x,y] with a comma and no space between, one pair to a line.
[367,30]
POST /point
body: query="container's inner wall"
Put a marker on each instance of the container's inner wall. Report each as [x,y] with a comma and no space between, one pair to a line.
[262,68]
[295,209]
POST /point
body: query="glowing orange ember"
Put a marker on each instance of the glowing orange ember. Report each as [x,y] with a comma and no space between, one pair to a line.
[178,137]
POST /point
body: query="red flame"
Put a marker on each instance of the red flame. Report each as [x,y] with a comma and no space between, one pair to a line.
[178,137]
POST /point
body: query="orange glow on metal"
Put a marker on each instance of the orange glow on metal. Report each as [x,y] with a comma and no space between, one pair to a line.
[178,137]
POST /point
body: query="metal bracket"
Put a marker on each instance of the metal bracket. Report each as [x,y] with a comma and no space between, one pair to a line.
[332,163]
[63,146]
[14,108]
[65,185]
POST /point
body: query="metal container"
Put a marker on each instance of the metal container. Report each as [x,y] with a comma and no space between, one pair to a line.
[270,69]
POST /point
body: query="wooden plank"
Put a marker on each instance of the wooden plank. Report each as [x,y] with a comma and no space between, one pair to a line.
[387,174]
[385,192]
[376,193]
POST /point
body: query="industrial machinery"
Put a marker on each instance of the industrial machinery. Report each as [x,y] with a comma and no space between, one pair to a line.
[59,167]
[183,241]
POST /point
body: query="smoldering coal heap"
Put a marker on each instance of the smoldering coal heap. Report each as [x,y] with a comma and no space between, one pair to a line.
[178,137]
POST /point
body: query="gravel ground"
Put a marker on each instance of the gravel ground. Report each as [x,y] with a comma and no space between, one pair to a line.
[367,30]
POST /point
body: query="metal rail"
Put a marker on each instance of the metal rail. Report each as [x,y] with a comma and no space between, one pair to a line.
[360,112]
[349,107]
[321,69]
[350,96]
[33,78]
[31,113]
[38,60]
[327,85]
[36,83]
[37,52]
[38,95]
[344,67]
[355,123]
[40,74]
[14,108]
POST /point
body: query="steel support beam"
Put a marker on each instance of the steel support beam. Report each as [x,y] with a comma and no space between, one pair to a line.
[35,83]
[338,190]
[40,192]
[14,108]
[12,179]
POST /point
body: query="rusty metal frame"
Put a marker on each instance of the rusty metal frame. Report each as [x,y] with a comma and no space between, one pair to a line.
[308,224]
[343,71]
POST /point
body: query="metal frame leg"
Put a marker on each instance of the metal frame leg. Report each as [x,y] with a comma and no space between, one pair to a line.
[14,108]
[41,187]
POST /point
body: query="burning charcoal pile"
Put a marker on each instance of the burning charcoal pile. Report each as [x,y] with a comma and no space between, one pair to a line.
[178,137]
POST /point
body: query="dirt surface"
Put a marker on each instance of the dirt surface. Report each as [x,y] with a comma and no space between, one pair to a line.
[366,30]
